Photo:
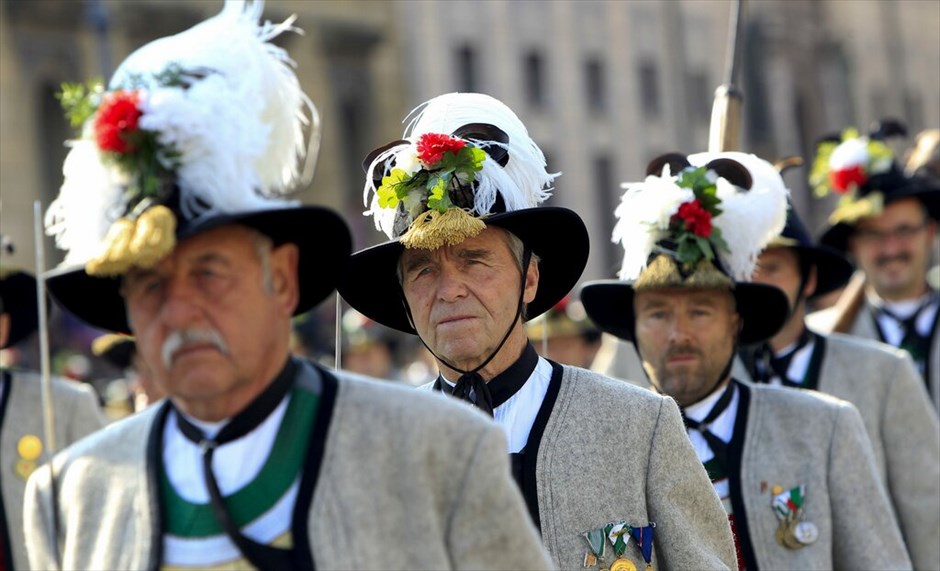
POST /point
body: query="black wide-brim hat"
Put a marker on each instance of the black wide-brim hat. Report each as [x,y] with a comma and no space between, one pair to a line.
[763,309]
[556,235]
[321,235]
[18,292]
[833,269]
[894,186]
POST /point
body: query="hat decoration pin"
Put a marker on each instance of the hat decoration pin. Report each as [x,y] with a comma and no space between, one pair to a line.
[846,166]
[170,136]
[437,185]
[691,210]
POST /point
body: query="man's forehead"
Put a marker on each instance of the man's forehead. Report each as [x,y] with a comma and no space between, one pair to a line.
[778,254]
[905,210]
[226,240]
[491,239]
[672,296]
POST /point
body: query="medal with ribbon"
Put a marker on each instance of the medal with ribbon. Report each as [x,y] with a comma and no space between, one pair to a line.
[596,539]
[618,533]
[644,540]
[792,531]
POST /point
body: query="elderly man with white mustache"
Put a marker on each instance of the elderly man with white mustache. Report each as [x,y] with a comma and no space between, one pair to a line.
[257,459]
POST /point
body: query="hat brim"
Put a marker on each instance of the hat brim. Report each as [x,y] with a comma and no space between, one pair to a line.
[18,291]
[833,270]
[556,235]
[609,304]
[322,238]
[837,236]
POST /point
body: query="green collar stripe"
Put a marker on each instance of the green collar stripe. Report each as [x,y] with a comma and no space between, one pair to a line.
[280,470]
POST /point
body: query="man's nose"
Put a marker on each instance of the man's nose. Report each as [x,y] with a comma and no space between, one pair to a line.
[679,329]
[180,303]
[450,286]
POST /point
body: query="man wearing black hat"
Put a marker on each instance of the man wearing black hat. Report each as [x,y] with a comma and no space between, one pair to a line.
[605,468]
[887,221]
[878,379]
[256,459]
[22,439]
[792,467]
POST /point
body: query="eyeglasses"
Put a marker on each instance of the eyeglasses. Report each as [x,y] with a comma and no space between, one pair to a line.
[904,232]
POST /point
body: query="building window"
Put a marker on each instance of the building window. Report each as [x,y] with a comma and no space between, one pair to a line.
[594,84]
[649,89]
[467,80]
[698,96]
[608,197]
[913,109]
[534,76]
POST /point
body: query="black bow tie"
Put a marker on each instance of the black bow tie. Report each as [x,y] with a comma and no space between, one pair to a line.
[487,396]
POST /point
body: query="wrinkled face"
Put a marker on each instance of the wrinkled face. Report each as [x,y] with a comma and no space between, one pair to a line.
[463,298]
[211,321]
[780,267]
[686,338]
[893,249]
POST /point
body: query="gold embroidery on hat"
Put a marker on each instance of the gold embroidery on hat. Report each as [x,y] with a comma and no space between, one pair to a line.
[850,211]
[663,272]
[140,242]
[432,229]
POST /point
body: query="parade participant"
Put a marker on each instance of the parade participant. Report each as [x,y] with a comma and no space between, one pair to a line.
[887,222]
[878,379]
[121,351]
[23,445]
[792,467]
[257,459]
[369,348]
[603,466]
[569,336]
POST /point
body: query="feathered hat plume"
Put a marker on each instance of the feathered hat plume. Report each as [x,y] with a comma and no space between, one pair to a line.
[464,156]
[209,121]
[705,210]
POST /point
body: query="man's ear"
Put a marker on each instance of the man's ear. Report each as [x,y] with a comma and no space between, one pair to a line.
[531,281]
[810,288]
[285,283]
[4,329]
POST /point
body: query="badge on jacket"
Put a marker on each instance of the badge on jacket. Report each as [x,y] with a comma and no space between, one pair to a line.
[618,534]
[29,448]
[792,531]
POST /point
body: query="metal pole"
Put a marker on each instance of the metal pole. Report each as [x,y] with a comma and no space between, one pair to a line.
[339,333]
[725,128]
[45,371]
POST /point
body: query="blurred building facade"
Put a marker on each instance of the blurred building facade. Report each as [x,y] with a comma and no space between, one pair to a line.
[604,86]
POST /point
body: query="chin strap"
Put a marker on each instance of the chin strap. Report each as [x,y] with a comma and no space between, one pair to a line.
[470,381]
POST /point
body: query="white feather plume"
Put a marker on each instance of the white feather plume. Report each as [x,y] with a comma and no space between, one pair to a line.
[239,126]
[90,199]
[749,219]
[522,183]
[748,222]
[643,218]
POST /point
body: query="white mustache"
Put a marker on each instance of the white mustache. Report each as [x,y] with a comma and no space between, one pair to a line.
[178,339]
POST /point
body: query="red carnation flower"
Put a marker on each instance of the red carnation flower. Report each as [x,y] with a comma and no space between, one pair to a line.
[845,179]
[697,219]
[117,119]
[432,146]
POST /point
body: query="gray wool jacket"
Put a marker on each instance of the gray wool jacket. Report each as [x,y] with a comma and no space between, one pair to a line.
[76,414]
[882,383]
[406,481]
[863,326]
[612,452]
[796,437]
[876,398]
